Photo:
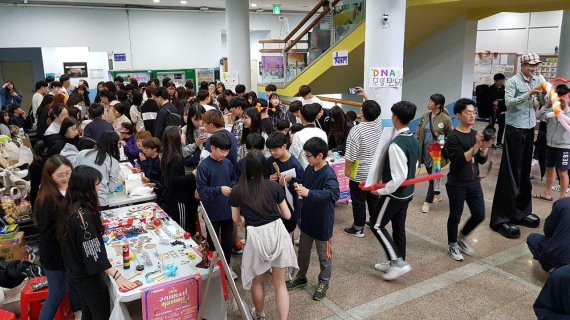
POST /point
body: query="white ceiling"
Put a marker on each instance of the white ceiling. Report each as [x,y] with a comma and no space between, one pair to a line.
[266,5]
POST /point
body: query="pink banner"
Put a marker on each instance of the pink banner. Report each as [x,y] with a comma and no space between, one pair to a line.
[177,299]
[343,181]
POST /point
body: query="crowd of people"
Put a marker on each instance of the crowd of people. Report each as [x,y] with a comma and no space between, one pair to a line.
[239,155]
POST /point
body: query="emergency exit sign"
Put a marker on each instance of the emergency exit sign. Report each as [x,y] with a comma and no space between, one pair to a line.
[276,9]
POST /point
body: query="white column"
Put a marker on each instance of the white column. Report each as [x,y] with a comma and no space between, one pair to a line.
[237,30]
[563,69]
[384,47]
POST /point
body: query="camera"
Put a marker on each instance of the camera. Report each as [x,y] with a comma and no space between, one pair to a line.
[355,90]
[489,133]
[385,18]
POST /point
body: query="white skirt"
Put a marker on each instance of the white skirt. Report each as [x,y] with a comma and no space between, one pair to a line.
[267,246]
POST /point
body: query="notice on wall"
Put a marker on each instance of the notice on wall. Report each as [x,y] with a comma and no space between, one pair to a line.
[230,80]
[97,73]
[177,299]
[206,74]
[386,77]
[120,57]
[75,69]
[340,58]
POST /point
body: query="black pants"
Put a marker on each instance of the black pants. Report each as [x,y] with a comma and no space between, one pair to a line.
[360,199]
[94,294]
[224,230]
[458,195]
[394,210]
[513,201]
[431,192]
[500,119]
[184,212]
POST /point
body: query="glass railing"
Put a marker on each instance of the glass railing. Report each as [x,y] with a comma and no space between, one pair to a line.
[285,59]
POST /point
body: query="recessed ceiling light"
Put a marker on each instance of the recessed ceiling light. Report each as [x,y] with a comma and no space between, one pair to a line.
[156,1]
[253,5]
[183,2]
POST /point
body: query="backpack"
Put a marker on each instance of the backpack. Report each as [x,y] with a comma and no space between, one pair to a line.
[13,273]
[173,119]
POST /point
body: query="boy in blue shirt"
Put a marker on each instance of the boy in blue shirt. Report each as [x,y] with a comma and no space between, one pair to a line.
[216,176]
[277,145]
[320,191]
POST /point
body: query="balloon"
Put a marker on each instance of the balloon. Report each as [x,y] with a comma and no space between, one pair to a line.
[549,89]
[407,182]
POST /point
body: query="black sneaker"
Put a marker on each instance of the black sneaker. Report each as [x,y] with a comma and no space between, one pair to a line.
[353,232]
[321,291]
[297,283]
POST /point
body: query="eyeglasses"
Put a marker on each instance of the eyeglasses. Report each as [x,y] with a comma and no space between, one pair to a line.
[63,175]
[308,155]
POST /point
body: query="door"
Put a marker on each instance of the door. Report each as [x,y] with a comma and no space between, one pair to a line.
[21,74]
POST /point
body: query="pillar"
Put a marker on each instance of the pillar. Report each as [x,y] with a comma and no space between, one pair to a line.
[237,30]
[563,69]
[384,47]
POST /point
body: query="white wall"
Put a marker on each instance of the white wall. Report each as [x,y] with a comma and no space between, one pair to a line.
[443,63]
[151,39]
[54,57]
[520,32]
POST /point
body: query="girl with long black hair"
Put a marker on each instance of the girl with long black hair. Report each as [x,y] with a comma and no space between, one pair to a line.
[80,231]
[195,138]
[105,158]
[178,187]
[340,126]
[260,204]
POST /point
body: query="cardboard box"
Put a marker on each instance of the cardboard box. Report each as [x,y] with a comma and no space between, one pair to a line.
[13,249]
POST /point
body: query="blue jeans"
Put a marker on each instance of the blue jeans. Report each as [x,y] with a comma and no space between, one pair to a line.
[57,281]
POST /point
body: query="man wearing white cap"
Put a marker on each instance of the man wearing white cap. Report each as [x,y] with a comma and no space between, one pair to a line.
[512,206]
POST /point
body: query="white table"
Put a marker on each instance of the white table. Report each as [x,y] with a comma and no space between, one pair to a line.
[214,304]
[118,199]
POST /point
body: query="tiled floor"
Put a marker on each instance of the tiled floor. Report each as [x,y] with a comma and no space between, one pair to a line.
[501,282]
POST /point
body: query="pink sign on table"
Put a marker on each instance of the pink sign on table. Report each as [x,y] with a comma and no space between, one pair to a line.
[177,299]
[343,181]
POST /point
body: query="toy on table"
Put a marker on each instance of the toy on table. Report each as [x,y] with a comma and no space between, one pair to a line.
[170,270]
[204,250]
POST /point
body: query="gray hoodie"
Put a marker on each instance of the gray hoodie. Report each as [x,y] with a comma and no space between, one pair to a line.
[556,135]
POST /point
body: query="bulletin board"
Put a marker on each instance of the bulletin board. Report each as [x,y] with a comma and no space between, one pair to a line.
[487,64]
[548,66]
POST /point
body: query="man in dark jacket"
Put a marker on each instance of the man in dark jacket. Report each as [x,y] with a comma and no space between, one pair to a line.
[161,97]
[553,302]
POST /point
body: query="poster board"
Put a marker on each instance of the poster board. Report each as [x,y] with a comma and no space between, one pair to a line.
[177,299]
[548,67]
[487,64]
[343,181]
[272,69]
[206,74]
[230,80]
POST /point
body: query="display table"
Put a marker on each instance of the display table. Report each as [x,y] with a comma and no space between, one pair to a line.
[129,181]
[118,199]
[126,225]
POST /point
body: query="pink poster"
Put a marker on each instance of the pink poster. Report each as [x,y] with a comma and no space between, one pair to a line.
[343,181]
[177,299]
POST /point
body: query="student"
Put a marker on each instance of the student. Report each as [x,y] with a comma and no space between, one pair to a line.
[135,111]
[320,191]
[119,116]
[54,180]
[270,88]
[259,204]
[216,177]
[5,123]
[277,145]
[237,107]
[204,100]
[105,158]
[10,95]
[309,114]
[552,250]
[307,97]
[240,90]
[129,142]
[254,141]
[41,91]
[552,302]
[35,169]
[195,137]
[253,123]
[149,109]
[400,164]
[433,124]
[465,149]
[213,122]
[161,98]
[17,116]
[251,98]
[280,112]
[150,161]
[294,112]
[59,112]
[68,135]
[340,126]
[79,232]
[178,187]
[66,84]
[361,145]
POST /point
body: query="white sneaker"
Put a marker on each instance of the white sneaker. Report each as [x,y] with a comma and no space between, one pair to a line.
[395,272]
[557,188]
[425,207]
[465,247]
[77,315]
[455,253]
[437,198]
[233,274]
[382,266]
[257,316]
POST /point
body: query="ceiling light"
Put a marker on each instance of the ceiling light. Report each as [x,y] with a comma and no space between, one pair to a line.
[253,5]
[156,1]
[183,2]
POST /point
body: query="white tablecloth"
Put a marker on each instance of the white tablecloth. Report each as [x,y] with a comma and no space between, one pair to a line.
[214,304]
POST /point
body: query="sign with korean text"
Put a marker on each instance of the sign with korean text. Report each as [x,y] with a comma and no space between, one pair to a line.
[120,57]
[340,58]
[386,77]
[177,299]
